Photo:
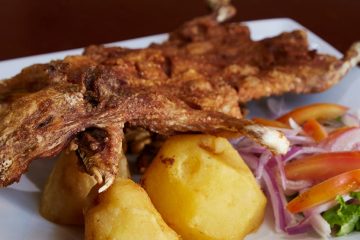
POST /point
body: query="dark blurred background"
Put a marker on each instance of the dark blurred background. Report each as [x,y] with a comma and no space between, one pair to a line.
[30,27]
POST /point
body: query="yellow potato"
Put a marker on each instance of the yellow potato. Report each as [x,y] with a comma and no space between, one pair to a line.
[65,192]
[124,212]
[203,189]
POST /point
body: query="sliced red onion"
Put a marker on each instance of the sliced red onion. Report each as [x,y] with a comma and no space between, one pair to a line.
[271,170]
[297,185]
[235,141]
[245,142]
[247,146]
[347,141]
[325,206]
[292,153]
[294,125]
[300,228]
[251,160]
[287,131]
[280,167]
[350,120]
[251,149]
[356,147]
[300,140]
[263,160]
[320,225]
[283,218]
[293,131]
[298,151]
[320,208]
[293,134]
[312,222]
[280,163]
[277,107]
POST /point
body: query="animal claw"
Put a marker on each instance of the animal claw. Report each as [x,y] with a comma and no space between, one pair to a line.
[108,181]
[95,172]
[104,179]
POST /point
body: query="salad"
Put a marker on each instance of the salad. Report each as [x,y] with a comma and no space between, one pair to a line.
[316,185]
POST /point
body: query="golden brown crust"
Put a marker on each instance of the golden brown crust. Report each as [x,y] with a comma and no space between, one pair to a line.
[191,83]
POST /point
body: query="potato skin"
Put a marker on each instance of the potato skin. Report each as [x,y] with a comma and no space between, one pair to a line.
[65,193]
[203,189]
[124,212]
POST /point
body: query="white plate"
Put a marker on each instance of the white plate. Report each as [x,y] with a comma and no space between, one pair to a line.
[20,218]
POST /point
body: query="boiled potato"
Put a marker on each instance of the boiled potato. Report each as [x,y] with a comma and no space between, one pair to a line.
[124,212]
[203,189]
[65,192]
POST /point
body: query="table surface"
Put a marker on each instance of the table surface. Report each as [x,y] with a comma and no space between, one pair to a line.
[31,27]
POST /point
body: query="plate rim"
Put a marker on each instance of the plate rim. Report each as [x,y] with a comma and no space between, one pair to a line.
[18,62]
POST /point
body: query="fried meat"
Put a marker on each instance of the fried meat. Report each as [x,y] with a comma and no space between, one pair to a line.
[194,82]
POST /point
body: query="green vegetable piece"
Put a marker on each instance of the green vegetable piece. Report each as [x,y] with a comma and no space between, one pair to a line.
[355,195]
[343,218]
[357,226]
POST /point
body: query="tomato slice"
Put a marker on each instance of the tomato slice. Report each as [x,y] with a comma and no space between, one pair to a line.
[336,133]
[270,123]
[326,191]
[313,128]
[318,111]
[322,166]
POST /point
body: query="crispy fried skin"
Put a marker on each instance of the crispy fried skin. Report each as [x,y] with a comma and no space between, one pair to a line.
[225,55]
[40,124]
[191,83]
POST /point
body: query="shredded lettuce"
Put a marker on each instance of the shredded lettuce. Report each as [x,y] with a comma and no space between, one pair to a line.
[345,217]
[355,195]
